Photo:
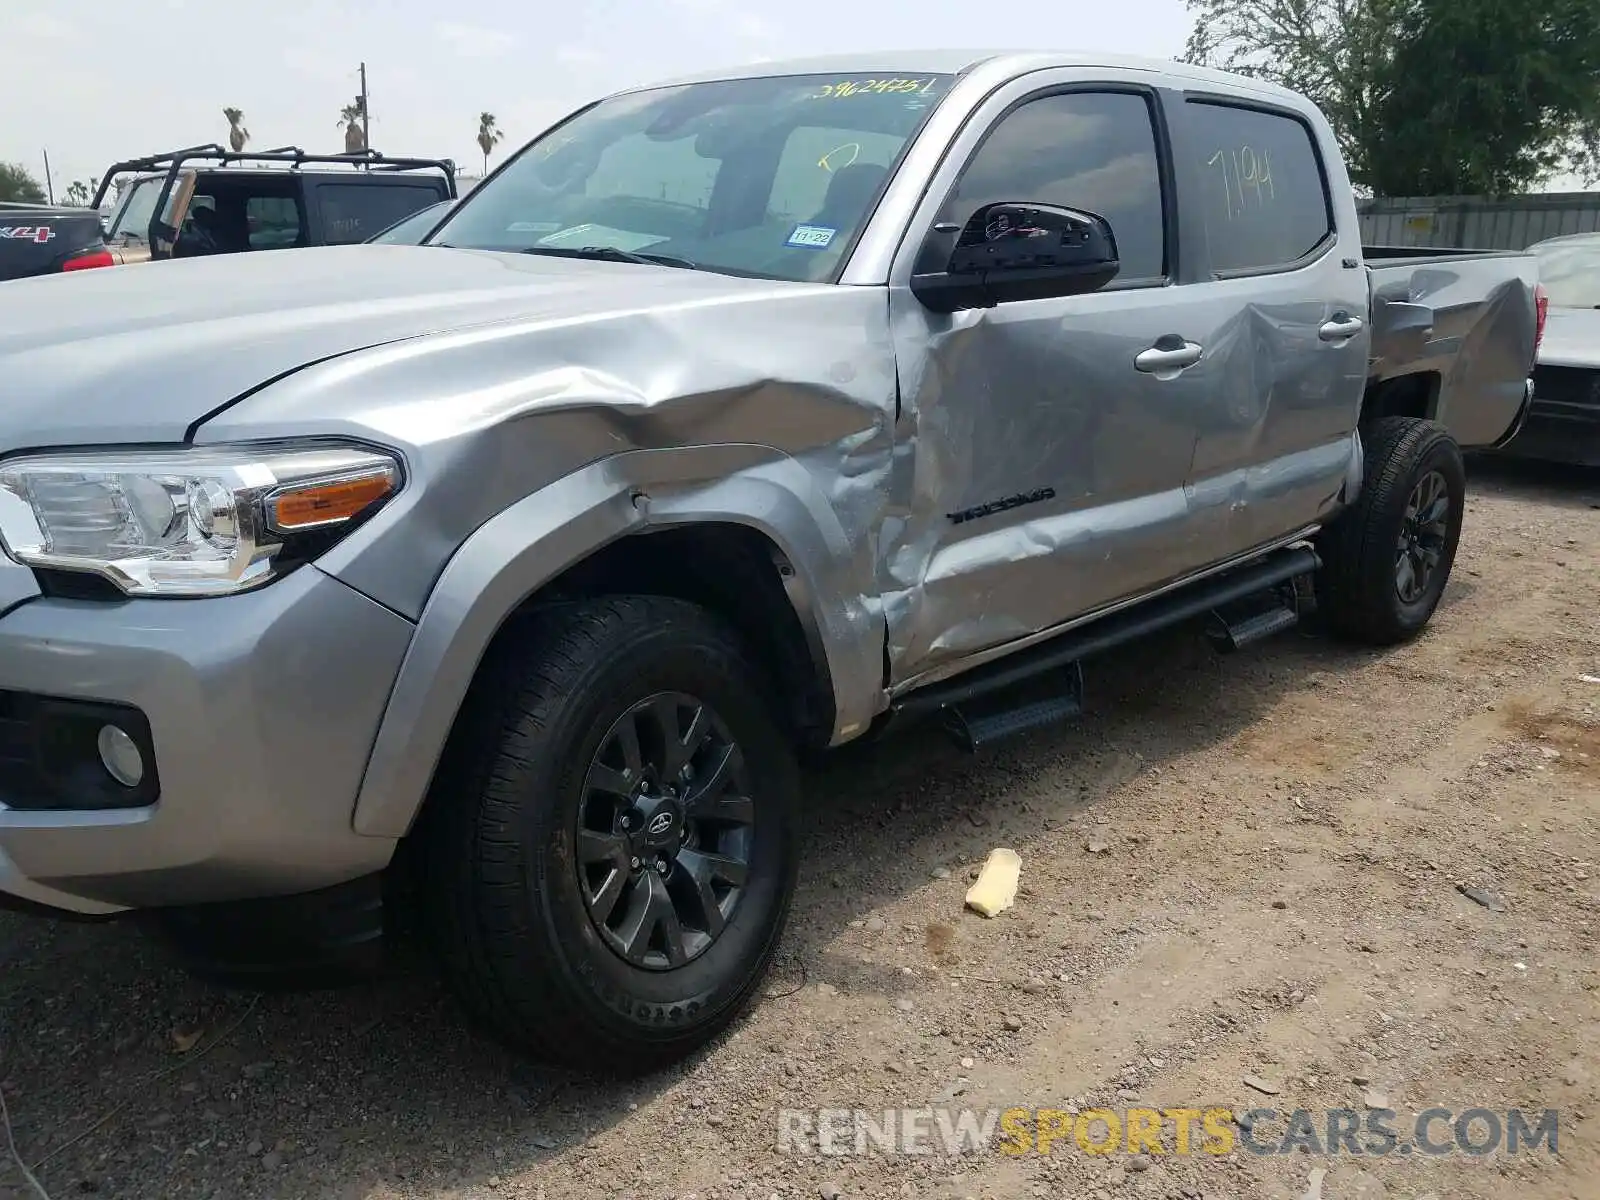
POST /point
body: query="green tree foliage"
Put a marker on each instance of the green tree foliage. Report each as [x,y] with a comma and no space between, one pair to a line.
[78,194]
[1337,52]
[17,184]
[1489,96]
[1428,97]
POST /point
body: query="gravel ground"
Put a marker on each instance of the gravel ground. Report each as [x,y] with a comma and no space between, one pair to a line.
[1233,867]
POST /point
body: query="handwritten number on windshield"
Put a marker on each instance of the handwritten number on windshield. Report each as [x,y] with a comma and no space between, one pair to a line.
[874,87]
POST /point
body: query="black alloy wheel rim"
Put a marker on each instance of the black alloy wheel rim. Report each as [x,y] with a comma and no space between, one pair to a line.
[665,831]
[1424,533]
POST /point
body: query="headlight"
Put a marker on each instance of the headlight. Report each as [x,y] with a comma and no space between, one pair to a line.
[191,522]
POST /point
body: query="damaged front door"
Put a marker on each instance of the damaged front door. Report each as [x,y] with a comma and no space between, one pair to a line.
[1053,437]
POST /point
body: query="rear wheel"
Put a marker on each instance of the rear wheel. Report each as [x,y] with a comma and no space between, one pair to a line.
[1387,558]
[613,848]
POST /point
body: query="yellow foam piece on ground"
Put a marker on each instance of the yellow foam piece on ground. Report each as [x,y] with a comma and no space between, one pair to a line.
[996,888]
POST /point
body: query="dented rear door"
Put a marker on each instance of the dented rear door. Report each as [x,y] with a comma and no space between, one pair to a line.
[1270,228]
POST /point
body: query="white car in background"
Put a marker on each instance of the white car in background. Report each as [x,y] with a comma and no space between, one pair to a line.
[1563,423]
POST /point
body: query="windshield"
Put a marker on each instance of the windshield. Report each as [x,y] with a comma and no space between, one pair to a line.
[137,207]
[770,177]
[1569,268]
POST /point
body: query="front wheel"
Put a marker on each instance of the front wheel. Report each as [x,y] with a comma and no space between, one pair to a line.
[1387,558]
[614,835]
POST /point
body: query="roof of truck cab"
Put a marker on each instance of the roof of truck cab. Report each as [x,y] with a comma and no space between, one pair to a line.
[952,62]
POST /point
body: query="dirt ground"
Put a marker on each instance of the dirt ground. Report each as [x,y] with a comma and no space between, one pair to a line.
[1244,866]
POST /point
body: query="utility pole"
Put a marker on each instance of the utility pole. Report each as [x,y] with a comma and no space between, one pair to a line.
[366,112]
[49,186]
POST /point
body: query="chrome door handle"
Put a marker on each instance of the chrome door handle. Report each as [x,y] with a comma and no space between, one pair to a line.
[1342,326]
[1168,356]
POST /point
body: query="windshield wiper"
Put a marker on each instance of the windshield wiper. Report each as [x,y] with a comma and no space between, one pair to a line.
[612,254]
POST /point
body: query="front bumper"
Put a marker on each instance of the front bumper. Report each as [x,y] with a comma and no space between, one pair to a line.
[262,710]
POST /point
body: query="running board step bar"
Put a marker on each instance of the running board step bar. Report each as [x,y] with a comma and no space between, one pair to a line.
[1237,629]
[975,725]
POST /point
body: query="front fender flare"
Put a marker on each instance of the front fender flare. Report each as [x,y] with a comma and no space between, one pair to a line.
[529,544]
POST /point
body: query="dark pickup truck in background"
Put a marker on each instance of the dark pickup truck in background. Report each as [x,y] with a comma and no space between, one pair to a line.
[43,239]
[207,200]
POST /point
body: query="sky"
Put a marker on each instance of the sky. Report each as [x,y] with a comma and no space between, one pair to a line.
[108,81]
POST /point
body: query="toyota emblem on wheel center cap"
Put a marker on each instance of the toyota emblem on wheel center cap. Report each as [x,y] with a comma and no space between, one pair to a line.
[659,824]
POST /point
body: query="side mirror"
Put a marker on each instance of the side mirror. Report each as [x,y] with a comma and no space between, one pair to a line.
[1020,252]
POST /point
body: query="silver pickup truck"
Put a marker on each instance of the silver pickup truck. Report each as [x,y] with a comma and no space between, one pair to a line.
[502,580]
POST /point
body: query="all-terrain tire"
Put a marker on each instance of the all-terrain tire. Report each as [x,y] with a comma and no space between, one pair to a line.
[510,918]
[1359,587]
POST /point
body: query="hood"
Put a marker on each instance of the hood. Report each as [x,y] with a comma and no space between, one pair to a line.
[1571,338]
[141,353]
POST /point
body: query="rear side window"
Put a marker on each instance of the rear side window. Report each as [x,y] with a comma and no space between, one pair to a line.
[1084,150]
[353,212]
[1262,193]
[273,222]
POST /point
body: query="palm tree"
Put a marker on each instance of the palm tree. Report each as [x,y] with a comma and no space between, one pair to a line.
[350,120]
[489,136]
[238,135]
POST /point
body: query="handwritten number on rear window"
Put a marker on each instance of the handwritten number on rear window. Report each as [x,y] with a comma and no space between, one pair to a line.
[1246,179]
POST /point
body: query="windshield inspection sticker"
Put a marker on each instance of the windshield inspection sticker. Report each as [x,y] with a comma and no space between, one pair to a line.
[812,237]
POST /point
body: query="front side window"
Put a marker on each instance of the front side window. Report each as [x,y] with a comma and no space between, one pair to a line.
[768,177]
[1094,151]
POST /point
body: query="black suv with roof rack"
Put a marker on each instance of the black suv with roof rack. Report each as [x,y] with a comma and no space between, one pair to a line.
[208,200]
